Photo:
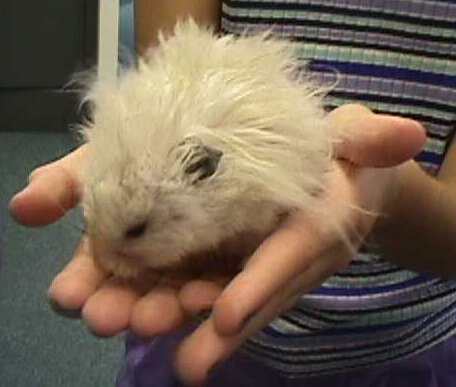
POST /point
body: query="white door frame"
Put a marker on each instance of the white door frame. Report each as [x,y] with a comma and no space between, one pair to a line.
[108,39]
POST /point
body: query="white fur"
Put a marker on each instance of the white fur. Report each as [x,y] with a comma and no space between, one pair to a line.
[242,96]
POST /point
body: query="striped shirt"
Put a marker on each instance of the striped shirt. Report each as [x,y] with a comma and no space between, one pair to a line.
[397,57]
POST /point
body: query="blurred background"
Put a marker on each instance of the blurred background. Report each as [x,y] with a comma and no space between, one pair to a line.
[42,45]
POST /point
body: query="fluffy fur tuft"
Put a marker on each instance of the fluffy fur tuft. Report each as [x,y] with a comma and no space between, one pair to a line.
[198,102]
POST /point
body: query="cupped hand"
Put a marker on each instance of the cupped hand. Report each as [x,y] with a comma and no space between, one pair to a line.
[108,305]
[307,249]
[296,259]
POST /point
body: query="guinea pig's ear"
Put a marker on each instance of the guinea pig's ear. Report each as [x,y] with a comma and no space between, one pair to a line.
[201,162]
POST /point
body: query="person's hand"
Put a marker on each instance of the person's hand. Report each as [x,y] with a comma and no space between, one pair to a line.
[108,306]
[301,250]
[306,250]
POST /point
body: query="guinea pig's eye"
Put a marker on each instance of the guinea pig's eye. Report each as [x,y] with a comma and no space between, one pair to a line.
[136,231]
[203,163]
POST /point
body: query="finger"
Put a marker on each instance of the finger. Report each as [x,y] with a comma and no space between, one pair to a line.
[199,296]
[199,352]
[289,251]
[205,347]
[375,140]
[108,311]
[302,238]
[157,313]
[71,289]
[53,189]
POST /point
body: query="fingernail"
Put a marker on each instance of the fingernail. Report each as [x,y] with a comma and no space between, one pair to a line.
[11,209]
[32,176]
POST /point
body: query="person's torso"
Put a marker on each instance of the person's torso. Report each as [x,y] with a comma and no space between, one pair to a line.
[397,57]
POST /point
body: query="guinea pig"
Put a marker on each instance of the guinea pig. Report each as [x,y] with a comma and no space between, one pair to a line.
[202,147]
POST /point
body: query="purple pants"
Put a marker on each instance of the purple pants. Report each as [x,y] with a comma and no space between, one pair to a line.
[149,364]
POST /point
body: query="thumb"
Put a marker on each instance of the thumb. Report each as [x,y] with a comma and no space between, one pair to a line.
[52,190]
[375,140]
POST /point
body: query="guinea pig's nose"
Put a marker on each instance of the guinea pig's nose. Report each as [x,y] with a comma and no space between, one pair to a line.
[136,231]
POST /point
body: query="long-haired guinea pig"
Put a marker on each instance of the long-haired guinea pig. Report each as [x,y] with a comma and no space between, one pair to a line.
[208,141]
